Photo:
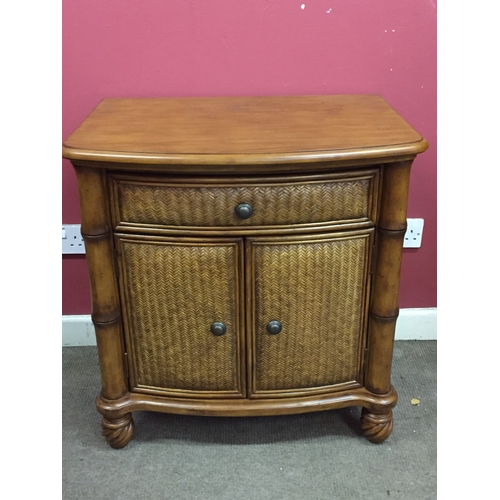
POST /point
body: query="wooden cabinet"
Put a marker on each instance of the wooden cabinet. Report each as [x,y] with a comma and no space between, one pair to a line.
[244,254]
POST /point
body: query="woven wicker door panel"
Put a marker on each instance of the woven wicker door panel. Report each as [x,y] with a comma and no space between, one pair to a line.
[174,290]
[316,289]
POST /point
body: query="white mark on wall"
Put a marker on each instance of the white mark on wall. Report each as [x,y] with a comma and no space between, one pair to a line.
[328,11]
[303,6]
[393,31]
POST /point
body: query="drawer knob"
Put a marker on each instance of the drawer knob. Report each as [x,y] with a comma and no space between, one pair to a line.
[244,210]
[274,327]
[218,328]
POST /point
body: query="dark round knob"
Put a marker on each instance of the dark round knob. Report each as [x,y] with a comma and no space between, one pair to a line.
[274,327]
[244,210]
[218,328]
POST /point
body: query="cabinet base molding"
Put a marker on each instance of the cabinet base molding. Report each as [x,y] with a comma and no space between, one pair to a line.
[376,420]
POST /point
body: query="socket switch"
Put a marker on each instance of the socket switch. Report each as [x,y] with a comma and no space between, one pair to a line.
[72,240]
[413,235]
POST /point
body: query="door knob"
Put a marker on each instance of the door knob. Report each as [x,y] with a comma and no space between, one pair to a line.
[218,328]
[244,210]
[274,327]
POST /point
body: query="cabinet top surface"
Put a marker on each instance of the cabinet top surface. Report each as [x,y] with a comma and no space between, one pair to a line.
[242,130]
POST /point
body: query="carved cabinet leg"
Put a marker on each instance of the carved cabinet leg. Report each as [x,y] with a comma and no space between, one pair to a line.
[118,431]
[377,424]
[376,427]
[97,234]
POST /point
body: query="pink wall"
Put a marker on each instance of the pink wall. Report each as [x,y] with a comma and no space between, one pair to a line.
[132,48]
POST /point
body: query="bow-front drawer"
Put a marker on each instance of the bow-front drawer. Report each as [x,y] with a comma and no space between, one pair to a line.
[166,202]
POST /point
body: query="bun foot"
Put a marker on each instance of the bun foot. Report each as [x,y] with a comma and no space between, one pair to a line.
[118,431]
[376,427]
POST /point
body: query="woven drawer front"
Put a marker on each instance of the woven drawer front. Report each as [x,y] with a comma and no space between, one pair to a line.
[198,204]
[315,290]
[173,293]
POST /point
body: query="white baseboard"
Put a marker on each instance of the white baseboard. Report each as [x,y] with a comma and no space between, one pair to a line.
[412,324]
[78,330]
[417,324]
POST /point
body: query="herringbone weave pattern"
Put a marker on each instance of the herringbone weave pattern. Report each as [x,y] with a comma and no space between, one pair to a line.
[175,293]
[315,291]
[272,205]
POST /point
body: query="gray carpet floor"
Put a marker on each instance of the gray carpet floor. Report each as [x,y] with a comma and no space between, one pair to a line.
[311,456]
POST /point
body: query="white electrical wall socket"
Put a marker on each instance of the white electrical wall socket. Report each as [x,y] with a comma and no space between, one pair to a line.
[413,235]
[72,240]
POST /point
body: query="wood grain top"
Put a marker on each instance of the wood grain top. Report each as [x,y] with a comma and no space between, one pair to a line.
[242,130]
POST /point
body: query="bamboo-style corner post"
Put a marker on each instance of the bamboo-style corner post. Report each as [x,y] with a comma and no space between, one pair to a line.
[377,422]
[97,235]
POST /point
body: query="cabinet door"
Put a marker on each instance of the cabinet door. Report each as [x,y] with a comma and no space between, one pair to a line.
[307,300]
[182,315]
